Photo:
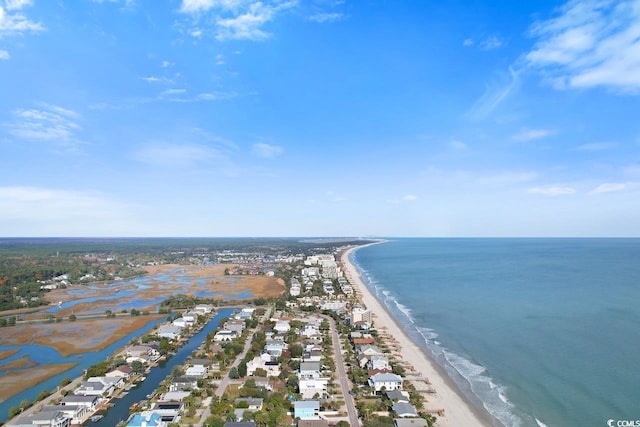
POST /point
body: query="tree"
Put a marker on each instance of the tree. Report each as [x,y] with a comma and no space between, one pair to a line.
[137,366]
[13,411]
[65,382]
[233,373]
[72,317]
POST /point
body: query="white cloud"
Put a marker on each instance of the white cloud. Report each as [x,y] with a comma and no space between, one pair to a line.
[410,198]
[553,191]
[490,43]
[235,19]
[4,55]
[589,44]
[174,91]
[327,17]
[166,64]
[266,150]
[178,155]
[494,95]
[468,42]
[16,23]
[219,59]
[458,145]
[609,188]
[595,146]
[50,123]
[17,4]
[532,134]
[154,79]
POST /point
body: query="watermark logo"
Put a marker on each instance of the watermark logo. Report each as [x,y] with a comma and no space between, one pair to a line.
[623,423]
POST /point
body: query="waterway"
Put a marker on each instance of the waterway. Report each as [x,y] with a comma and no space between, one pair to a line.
[120,411]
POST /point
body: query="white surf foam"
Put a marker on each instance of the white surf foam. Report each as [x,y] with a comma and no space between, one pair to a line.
[540,423]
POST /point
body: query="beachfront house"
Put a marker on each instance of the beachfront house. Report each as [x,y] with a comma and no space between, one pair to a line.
[404,410]
[385,381]
[377,362]
[398,396]
[306,409]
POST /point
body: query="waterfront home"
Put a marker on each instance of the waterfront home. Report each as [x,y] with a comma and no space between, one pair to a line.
[75,412]
[385,381]
[398,396]
[93,387]
[369,350]
[122,371]
[203,309]
[146,419]
[377,362]
[245,313]
[43,418]
[171,332]
[309,370]
[168,411]
[404,410]
[141,350]
[175,396]
[313,388]
[191,318]
[360,314]
[89,402]
[306,409]
[235,326]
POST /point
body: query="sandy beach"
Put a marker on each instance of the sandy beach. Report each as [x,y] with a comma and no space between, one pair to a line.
[457,411]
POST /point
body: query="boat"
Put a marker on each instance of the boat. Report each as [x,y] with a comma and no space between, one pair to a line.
[96,418]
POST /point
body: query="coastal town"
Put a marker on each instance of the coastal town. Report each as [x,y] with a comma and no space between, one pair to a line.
[323,352]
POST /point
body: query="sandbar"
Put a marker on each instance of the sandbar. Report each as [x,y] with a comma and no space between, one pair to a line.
[7,353]
[457,411]
[17,381]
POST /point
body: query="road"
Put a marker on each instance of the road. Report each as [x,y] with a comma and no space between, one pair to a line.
[226,380]
[342,374]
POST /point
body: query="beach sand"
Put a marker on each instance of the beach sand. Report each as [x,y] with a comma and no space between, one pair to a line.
[457,411]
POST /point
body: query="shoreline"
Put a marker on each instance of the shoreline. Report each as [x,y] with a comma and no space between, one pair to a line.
[458,410]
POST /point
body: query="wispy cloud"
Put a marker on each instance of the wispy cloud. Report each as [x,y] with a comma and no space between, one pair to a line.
[327,17]
[4,55]
[494,95]
[458,145]
[532,134]
[49,123]
[13,22]
[236,19]
[553,191]
[266,150]
[595,146]
[468,42]
[180,156]
[612,187]
[410,198]
[589,44]
[491,43]
[155,79]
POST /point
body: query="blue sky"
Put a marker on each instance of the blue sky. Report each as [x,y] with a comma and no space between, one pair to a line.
[319,118]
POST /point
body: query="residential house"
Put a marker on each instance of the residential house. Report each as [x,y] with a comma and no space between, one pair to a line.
[183,383]
[313,388]
[309,370]
[75,412]
[239,424]
[378,362]
[253,404]
[306,409]
[42,418]
[398,396]
[122,371]
[385,381]
[271,368]
[171,332]
[313,423]
[222,336]
[404,410]
[203,309]
[282,326]
[89,402]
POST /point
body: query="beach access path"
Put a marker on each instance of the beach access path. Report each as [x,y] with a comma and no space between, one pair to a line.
[457,411]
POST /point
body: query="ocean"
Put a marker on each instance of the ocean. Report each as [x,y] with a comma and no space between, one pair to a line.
[540,332]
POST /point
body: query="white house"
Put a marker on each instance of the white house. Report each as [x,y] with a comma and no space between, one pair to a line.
[309,370]
[310,387]
[385,381]
[224,335]
[378,362]
[169,331]
[271,368]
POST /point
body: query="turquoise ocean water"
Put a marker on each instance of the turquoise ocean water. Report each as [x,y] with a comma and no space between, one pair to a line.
[540,332]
